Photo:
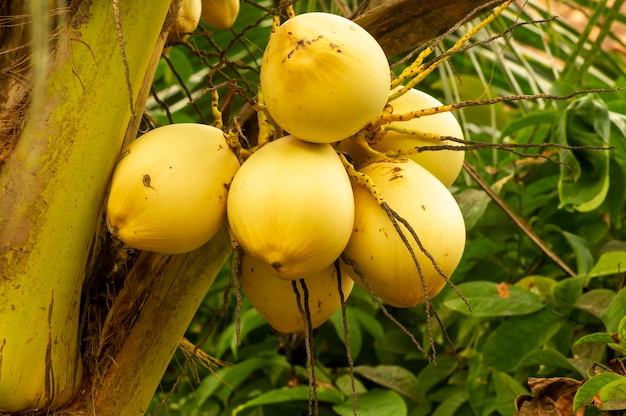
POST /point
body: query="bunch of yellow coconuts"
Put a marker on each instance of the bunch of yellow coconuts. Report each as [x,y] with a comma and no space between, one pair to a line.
[218,14]
[308,221]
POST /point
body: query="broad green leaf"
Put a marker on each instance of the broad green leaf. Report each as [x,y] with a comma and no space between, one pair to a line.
[507,389]
[180,62]
[369,324]
[595,301]
[473,87]
[590,388]
[612,262]
[598,337]
[451,404]
[355,338]
[546,357]
[376,402]
[539,285]
[613,395]
[617,191]
[392,377]
[584,180]
[290,394]
[227,379]
[435,373]
[621,332]
[618,131]
[584,259]
[620,347]
[492,299]
[473,203]
[344,384]
[568,291]
[510,342]
[529,120]
[479,381]
[615,312]
[250,320]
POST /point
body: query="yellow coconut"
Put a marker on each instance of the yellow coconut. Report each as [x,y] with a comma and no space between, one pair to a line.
[220,14]
[323,77]
[418,197]
[291,205]
[444,164]
[276,301]
[168,192]
[186,21]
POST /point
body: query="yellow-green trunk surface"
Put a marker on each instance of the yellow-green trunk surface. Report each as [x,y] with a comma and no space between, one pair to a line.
[51,193]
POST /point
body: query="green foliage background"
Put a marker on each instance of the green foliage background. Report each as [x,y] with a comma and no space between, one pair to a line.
[551,323]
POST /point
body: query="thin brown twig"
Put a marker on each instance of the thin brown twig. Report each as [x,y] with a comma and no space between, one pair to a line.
[387,118]
[344,318]
[519,222]
[303,307]
[382,308]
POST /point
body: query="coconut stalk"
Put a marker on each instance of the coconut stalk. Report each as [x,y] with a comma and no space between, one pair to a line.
[51,191]
[169,289]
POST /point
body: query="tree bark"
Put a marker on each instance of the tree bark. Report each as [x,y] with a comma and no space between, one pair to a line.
[399,25]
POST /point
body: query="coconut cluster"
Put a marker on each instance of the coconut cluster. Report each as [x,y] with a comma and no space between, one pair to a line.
[218,14]
[310,225]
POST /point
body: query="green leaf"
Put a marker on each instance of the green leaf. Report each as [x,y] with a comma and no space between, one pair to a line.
[613,395]
[590,388]
[540,285]
[290,394]
[595,301]
[615,312]
[376,402]
[529,120]
[547,357]
[618,131]
[355,338]
[451,404]
[473,203]
[617,190]
[612,262]
[344,384]
[250,320]
[393,377]
[478,386]
[584,259]
[584,180]
[621,332]
[486,300]
[568,291]
[369,324]
[227,379]
[510,342]
[598,337]
[507,389]
[435,373]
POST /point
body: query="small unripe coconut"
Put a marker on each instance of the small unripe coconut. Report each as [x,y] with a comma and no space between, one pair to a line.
[291,205]
[186,21]
[381,256]
[276,301]
[168,192]
[323,77]
[220,14]
[444,164]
